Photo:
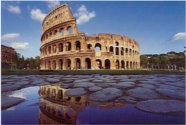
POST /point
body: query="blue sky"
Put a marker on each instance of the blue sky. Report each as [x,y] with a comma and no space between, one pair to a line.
[159,27]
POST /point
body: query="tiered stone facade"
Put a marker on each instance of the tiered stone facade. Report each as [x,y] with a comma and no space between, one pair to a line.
[64,48]
[7,57]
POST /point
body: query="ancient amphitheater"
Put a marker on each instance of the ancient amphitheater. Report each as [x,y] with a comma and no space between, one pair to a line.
[65,48]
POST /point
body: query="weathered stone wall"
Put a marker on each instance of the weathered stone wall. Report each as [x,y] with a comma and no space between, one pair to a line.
[63,47]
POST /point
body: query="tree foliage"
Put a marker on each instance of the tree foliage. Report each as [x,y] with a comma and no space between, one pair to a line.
[163,60]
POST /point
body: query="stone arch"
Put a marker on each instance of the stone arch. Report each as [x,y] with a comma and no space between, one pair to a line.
[68,64]
[130,51]
[68,46]
[126,50]
[62,31]
[49,65]
[54,48]
[54,64]
[127,64]
[111,49]
[89,46]
[107,64]
[60,47]
[122,51]
[69,29]
[122,64]
[49,50]
[60,94]
[99,63]
[60,64]
[117,50]
[117,64]
[78,45]
[134,65]
[55,32]
[78,63]
[88,63]
[117,43]
[98,47]
[130,64]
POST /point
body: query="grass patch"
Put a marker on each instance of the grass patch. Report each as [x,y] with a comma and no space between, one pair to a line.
[88,72]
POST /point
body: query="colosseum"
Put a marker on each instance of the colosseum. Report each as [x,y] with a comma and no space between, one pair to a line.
[63,47]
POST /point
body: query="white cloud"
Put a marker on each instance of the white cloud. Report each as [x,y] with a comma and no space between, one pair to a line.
[10,36]
[83,15]
[19,45]
[37,14]
[14,9]
[179,36]
[53,4]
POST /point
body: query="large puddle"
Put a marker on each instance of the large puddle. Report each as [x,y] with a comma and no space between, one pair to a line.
[60,103]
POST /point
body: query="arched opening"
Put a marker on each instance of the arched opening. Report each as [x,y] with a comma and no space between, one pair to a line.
[98,47]
[68,65]
[117,64]
[111,49]
[60,94]
[55,32]
[78,63]
[69,29]
[54,48]
[134,66]
[68,46]
[54,64]
[117,51]
[117,43]
[88,63]
[107,64]
[126,50]
[122,64]
[99,63]
[49,50]
[60,64]
[130,51]
[62,31]
[78,45]
[122,51]
[130,65]
[89,46]
[49,65]
[60,47]
[127,64]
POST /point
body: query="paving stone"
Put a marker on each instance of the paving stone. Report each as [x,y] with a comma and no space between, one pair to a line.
[106,94]
[172,93]
[75,92]
[52,80]
[161,106]
[84,84]
[94,88]
[143,93]
[8,102]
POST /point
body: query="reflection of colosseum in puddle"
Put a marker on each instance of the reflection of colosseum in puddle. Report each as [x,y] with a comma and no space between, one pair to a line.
[63,47]
[57,108]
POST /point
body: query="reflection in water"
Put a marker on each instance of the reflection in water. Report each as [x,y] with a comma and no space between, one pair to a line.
[57,108]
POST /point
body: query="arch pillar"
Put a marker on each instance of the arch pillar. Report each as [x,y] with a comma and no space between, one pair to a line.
[83,65]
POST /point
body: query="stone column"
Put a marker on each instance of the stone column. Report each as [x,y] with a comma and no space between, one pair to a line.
[57,64]
[73,63]
[82,63]
[65,31]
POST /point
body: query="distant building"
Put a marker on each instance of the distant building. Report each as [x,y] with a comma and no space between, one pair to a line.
[7,57]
